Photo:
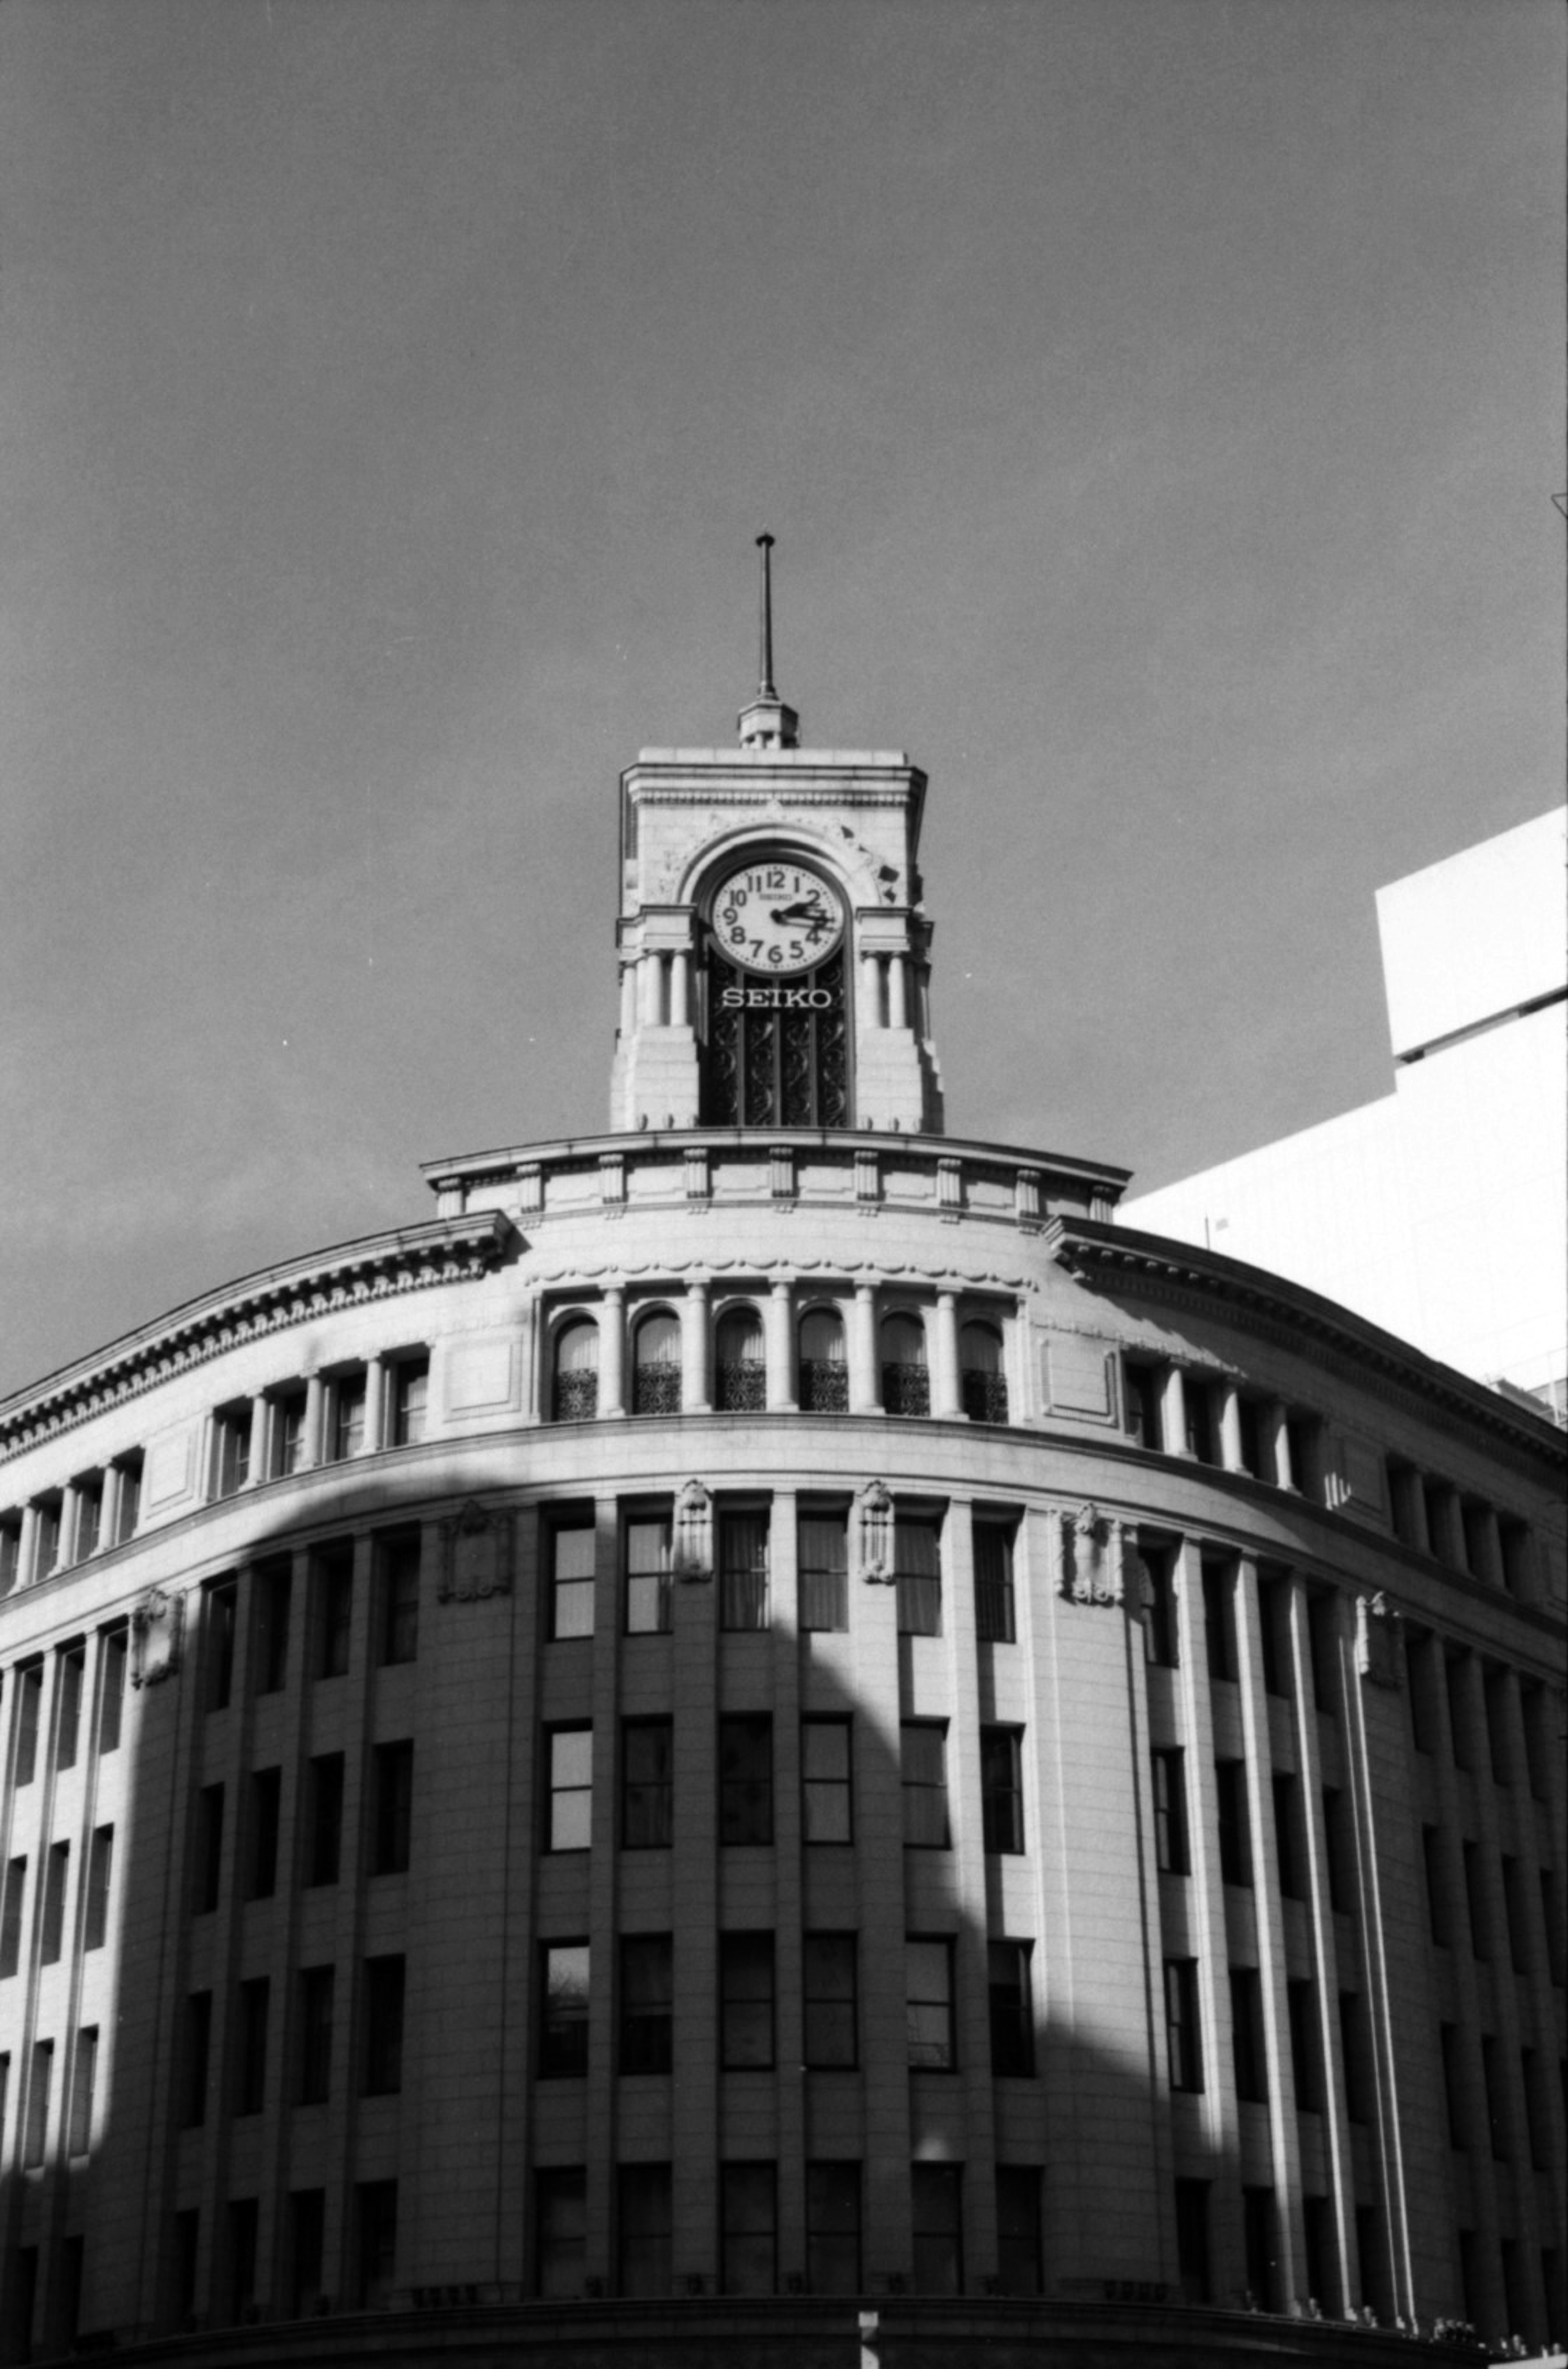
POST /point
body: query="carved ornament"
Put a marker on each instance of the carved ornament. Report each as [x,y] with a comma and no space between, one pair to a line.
[157,1638]
[475,1555]
[873,1534]
[1377,1654]
[692,1555]
[1092,1561]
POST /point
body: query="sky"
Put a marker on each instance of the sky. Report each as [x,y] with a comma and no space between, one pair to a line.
[1158,405]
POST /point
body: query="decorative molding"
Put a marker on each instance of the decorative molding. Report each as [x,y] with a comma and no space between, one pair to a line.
[699,1183]
[781,1170]
[950,1188]
[692,1555]
[157,1638]
[475,1555]
[1093,1562]
[613,1178]
[873,1534]
[867,1173]
[1378,1653]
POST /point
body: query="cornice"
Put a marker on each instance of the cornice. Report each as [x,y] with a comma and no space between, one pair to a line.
[381,1266]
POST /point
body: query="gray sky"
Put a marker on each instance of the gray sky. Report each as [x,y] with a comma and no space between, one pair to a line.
[1157,403]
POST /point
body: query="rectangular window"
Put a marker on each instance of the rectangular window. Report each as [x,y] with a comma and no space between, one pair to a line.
[244,2213]
[569,1763]
[828,2000]
[1306,2054]
[648,1610]
[1323,1639]
[10,1554]
[1302,1433]
[1354,2055]
[1436,1890]
[917,1567]
[1453,2092]
[1020,2265]
[1231,1791]
[1274,1633]
[130,1509]
[1198,1397]
[392,1809]
[332,1596]
[376,2220]
[71,1664]
[1142,1393]
[49,1510]
[994,1621]
[824,1572]
[231,1446]
[29,1702]
[36,2129]
[647,1990]
[927,1990]
[84,2085]
[1192,2241]
[185,2245]
[1182,2034]
[1514,1917]
[647,1784]
[307,2247]
[743,1571]
[1161,1631]
[274,1587]
[89,1495]
[571,1547]
[1475,1902]
[643,2260]
[1491,2074]
[397,1599]
[746,1779]
[1287,1840]
[346,1417]
[922,1745]
[1002,1788]
[208,1863]
[832,2228]
[100,1875]
[563,2012]
[219,1605]
[748,2228]
[1339,1852]
[250,2065]
[288,1430]
[410,1400]
[560,2232]
[266,1802]
[382,2070]
[1248,1423]
[936,2201]
[827,1791]
[318,1996]
[111,1703]
[323,1817]
[56,1874]
[1011,2018]
[1260,2248]
[1514,1548]
[1247,2036]
[745,2000]
[1171,1851]
[11,1916]
[195,2054]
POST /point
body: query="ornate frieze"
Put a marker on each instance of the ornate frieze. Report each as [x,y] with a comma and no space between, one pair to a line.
[475,1555]
[157,1637]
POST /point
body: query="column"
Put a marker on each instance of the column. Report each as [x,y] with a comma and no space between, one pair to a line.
[647,991]
[865,1390]
[1338,2160]
[259,1412]
[898,992]
[109,1517]
[871,991]
[375,1404]
[945,1395]
[1231,1427]
[779,1324]
[679,988]
[1173,1413]
[1276,1445]
[26,1550]
[315,1405]
[628,999]
[695,1394]
[612,1351]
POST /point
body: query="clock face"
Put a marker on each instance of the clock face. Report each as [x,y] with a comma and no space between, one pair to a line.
[776,917]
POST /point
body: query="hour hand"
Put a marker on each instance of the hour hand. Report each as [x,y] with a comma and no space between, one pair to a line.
[813,913]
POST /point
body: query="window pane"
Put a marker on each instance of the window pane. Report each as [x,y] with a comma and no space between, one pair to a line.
[825,1775]
[917,1573]
[743,1571]
[571,1762]
[571,1581]
[824,1572]
[647,1577]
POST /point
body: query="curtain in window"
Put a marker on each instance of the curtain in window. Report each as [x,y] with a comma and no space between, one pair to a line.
[824,1572]
[741,1382]
[743,1571]
[984,1382]
[656,1376]
[917,1564]
[824,1368]
[576,1370]
[906,1385]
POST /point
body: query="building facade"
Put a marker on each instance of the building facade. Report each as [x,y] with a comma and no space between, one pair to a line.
[772,1730]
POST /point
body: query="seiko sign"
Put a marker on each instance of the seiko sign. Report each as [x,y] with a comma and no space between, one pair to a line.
[777,998]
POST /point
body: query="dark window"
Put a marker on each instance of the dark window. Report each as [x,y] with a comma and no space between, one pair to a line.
[746,1779]
[112,1701]
[250,2059]
[332,1583]
[575,1393]
[1340,1852]
[10,1554]
[382,2075]
[928,1980]
[826,1789]
[569,1763]
[244,2218]
[824,1572]
[56,1874]
[649,1612]
[1198,1396]
[923,1744]
[1286,1838]
[376,2215]
[1249,1420]
[232,1442]
[829,1980]
[1514,1546]
[289,1432]
[982,1374]
[30,1698]
[1260,2246]
[392,1809]
[1513,1915]
[832,2228]
[1219,1618]
[560,2225]
[317,1993]
[743,1571]
[1273,1636]
[1002,1788]
[184,2248]
[906,1384]
[397,1599]
[655,1364]
[84,2083]
[746,1999]
[307,2239]
[1231,1792]
[130,1510]
[11,1916]
[572,1548]
[49,1510]
[1142,1391]
[68,1720]
[219,1606]
[1019,2266]
[1302,1433]
[1354,2056]
[1437,1890]
[562,2014]
[1491,2077]
[1453,2089]
[1182,2034]
[1306,2051]
[648,1795]
[748,2228]
[410,1400]
[324,1833]
[647,1988]
[824,1372]
[1247,2036]
[994,1623]
[1160,1627]
[346,1417]
[207,1867]
[195,2054]
[642,2266]
[1475,1900]
[100,1875]
[265,1802]
[1322,1638]
[274,1586]
[1192,2239]
[936,2201]
[1012,2020]
[1315,2247]
[741,1375]
[917,1564]
[1170,1850]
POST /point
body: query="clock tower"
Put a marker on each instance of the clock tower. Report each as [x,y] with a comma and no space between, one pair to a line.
[774,955]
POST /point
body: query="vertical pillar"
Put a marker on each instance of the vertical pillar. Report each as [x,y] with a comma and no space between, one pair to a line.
[315,1407]
[1173,1413]
[946,1395]
[259,1410]
[647,990]
[375,1404]
[1276,1445]
[27,1553]
[612,1351]
[898,992]
[866,1392]
[778,1328]
[628,999]
[1231,1427]
[109,1516]
[1338,2160]
[695,1394]
[679,988]
[871,991]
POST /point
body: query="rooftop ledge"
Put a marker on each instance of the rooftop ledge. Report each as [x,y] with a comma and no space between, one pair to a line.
[769,758]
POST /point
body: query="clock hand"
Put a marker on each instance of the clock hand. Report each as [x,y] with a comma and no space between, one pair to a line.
[813,913]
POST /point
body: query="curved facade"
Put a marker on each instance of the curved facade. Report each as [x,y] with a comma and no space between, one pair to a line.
[765,1727]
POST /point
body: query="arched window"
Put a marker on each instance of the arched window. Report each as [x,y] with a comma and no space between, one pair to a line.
[984,1378]
[906,1384]
[740,1384]
[655,1364]
[576,1370]
[824,1369]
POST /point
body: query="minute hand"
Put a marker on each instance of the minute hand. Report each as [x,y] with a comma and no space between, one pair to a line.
[813,914]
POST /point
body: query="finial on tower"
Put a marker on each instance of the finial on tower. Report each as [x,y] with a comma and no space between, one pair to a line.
[765,722]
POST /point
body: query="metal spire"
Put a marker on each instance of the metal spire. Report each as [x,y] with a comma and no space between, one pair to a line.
[765,685]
